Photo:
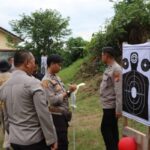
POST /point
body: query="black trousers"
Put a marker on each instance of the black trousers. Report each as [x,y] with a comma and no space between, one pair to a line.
[61,125]
[38,146]
[109,129]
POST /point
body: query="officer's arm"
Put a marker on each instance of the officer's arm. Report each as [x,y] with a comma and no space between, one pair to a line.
[118,90]
[45,118]
[54,98]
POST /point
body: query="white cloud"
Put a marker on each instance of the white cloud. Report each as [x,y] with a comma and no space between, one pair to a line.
[86,15]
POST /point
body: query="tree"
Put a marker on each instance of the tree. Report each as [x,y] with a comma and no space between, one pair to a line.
[131,23]
[132,20]
[75,49]
[42,31]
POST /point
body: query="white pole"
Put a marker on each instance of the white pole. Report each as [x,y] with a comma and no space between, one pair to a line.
[74,130]
[73,105]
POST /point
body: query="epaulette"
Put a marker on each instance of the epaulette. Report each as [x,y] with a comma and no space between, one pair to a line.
[53,82]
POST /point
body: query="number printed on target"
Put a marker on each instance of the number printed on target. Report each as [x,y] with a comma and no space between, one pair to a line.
[136,82]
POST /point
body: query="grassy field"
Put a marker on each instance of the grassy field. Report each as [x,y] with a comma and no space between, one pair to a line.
[87,116]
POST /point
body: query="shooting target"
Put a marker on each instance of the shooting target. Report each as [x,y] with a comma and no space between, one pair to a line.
[136,88]
[145,65]
[125,63]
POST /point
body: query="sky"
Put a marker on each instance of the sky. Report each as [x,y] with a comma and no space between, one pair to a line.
[86,16]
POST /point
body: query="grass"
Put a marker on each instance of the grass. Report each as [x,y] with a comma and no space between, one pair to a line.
[87,116]
[86,121]
[68,73]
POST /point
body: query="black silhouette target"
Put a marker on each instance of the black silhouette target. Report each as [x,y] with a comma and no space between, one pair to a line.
[135,89]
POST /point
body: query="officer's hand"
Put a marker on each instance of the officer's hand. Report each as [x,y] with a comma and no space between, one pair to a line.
[72,87]
[118,115]
[45,83]
[54,146]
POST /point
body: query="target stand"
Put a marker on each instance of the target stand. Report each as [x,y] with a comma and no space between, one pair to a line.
[142,139]
[136,91]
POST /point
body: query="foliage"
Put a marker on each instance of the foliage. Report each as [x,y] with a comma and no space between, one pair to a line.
[75,49]
[97,42]
[130,24]
[131,21]
[42,31]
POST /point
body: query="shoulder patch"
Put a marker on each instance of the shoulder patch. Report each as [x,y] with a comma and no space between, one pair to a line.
[117,76]
[53,82]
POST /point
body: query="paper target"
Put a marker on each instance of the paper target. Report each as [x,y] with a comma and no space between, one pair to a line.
[145,65]
[125,63]
[136,79]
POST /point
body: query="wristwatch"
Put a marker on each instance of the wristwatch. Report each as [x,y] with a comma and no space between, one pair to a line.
[68,93]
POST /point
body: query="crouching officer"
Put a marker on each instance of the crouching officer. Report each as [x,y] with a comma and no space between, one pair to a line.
[58,100]
[111,99]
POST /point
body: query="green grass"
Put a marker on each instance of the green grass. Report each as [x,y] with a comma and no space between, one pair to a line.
[86,121]
[67,75]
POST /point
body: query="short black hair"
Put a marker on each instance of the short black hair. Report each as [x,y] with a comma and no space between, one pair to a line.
[21,56]
[109,50]
[54,58]
[4,66]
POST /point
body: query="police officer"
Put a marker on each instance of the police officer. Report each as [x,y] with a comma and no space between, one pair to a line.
[4,76]
[111,99]
[58,100]
[27,118]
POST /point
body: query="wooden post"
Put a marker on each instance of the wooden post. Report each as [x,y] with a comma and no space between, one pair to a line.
[148,136]
[125,121]
[142,140]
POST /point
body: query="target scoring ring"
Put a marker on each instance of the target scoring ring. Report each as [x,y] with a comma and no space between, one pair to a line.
[134,92]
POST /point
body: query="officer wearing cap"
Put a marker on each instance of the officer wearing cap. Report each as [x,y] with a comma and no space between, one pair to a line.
[111,98]
[58,100]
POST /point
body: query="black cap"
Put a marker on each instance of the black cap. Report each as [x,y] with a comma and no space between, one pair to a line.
[4,66]
[54,58]
[108,50]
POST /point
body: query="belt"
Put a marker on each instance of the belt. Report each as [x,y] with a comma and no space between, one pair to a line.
[55,110]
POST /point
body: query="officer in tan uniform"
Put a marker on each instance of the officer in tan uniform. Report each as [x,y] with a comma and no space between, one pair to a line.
[26,115]
[111,99]
[4,76]
[58,100]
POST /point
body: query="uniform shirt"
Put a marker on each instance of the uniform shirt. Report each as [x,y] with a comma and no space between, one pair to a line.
[55,92]
[26,113]
[4,76]
[111,88]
